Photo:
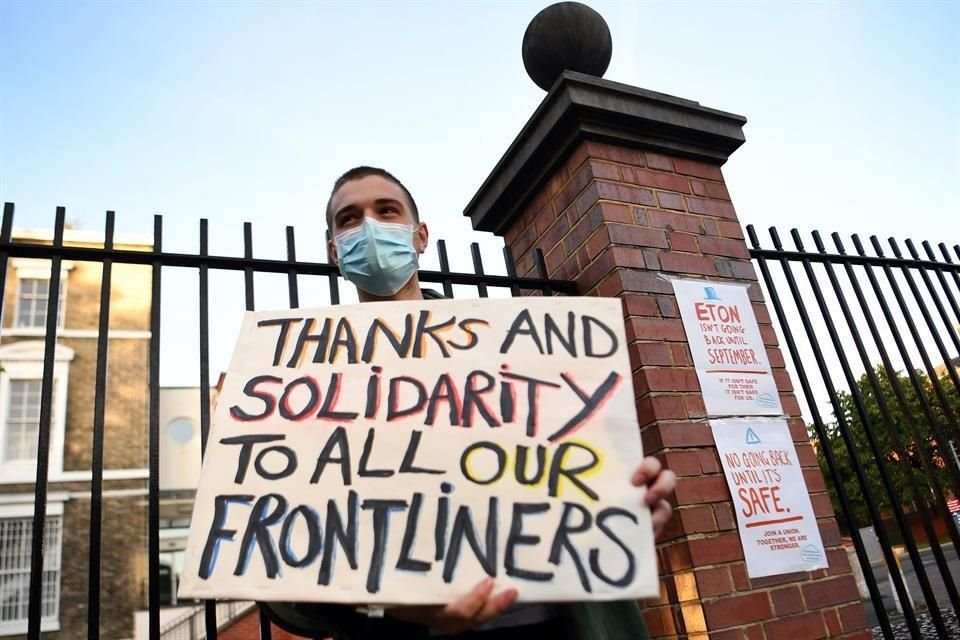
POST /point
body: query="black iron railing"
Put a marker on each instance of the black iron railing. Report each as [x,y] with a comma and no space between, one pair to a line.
[850,313]
[56,252]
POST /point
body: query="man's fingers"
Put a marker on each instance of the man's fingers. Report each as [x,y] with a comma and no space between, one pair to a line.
[647,470]
[664,485]
[495,606]
[661,515]
[469,605]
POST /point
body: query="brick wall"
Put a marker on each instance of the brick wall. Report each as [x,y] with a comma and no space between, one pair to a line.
[613,219]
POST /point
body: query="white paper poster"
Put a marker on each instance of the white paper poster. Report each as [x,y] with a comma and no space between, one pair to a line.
[402,452]
[727,349]
[778,528]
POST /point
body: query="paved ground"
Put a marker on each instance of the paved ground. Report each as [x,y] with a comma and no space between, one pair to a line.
[913,585]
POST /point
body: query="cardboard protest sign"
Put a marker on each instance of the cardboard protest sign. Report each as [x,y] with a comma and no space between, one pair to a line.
[778,529]
[401,452]
[727,349]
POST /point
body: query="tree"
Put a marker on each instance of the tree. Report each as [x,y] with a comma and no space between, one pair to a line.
[899,463]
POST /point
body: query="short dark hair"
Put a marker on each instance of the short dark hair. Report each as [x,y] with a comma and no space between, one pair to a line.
[362,172]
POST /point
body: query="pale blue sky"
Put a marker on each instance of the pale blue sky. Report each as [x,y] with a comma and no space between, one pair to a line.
[248,111]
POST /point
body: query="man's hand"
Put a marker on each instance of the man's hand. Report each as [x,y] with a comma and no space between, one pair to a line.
[660,483]
[475,608]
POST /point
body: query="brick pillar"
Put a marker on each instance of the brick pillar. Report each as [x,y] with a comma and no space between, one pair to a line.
[617,185]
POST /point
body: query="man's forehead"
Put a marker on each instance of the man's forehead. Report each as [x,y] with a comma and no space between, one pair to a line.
[365,189]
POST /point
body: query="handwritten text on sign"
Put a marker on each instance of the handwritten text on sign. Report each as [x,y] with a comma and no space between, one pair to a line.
[400,452]
[778,529]
[727,349]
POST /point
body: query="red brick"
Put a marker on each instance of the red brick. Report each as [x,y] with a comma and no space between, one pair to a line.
[718,208]
[701,490]
[824,593]
[686,263]
[668,407]
[814,480]
[729,229]
[808,626]
[650,354]
[637,236]
[709,460]
[738,572]
[729,634]
[645,282]
[582,230]
[725,247]
[838,560]
[553,235]
[723,514]
[554,259]
[715,550]
[596,271]
[604,170]
[756,632]
[635,305]
[615,153]
[832,621]
[671,379]
[714,582]
[524,241]
[613,212]
[673,221]
[573,188]
[685,435]
[775,358]
[620,193]
[698,169]
[676,557]
[784,383]
[853,617]
[683,242]
[655,329]
[806,455]
[696,519]
[544,219]
[681,355]
[695,406]
[777,580]
[657,161]
[682,463]
[598,242]
[670,200]
[629,257]
[737,610]
[715,190]
[786,601]
[666,181]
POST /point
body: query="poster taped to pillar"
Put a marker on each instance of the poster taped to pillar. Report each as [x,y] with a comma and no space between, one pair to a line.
[777,525]
[401,452]
[727,349]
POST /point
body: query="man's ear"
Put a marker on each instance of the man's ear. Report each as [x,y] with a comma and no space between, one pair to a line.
[421,237]
[332,252]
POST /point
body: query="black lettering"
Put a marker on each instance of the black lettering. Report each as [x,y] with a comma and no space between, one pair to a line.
[465,327]
[285,412]
[444,391]
[557,470]
[401,345]
[381,529]
[284,324]
[533,397]
[463,528]
[289,467]
[489,446]
[314,541]
[588,351]
[329,402]
[322,339]
[443,516]
[337,439]
[208,559]
[246,450]
[406,563]
[343,337]
[561,541]
[472,397]
[522,326]
[346,537]
[410,456]
[424,330]
[517,538]
[373,393]
[508,401]
[393,398]
[551,330]
[250,390]
[258,532]
[520,468]
[362,471]
[627,577]
[591,403]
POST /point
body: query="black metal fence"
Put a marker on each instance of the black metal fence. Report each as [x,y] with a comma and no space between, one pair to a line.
[56,252]
[888,447]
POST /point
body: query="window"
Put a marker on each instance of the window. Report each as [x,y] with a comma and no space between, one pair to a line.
[15,541]
[23,420]
[32,297]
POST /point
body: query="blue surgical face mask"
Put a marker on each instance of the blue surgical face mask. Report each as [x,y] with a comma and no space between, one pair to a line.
[377,257]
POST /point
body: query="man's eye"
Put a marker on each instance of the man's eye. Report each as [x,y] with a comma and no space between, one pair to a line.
[390,210]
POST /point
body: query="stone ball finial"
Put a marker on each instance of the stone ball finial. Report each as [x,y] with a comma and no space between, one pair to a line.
[566,35]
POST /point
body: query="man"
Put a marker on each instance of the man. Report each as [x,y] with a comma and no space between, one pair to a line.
[376,239]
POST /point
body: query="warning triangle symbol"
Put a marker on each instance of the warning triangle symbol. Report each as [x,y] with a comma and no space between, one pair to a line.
[752,437]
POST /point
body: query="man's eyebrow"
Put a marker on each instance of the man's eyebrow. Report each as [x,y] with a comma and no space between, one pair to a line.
[388,201]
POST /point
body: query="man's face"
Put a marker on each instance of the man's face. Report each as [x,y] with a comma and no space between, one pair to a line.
[377,198]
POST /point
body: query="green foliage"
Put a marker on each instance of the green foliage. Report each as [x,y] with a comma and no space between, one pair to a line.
[905,425]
